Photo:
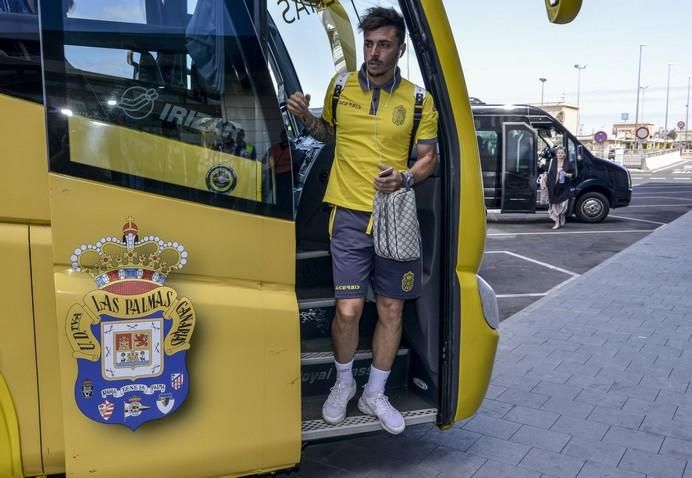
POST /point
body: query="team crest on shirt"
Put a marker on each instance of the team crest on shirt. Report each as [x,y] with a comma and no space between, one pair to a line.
[407,281]
[399,115]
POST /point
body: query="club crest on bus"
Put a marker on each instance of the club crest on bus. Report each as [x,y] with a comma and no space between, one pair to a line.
[131,335]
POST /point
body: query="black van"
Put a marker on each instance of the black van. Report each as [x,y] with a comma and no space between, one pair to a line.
[515,144]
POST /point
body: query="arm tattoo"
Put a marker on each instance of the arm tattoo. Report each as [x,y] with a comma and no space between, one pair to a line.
[319,129]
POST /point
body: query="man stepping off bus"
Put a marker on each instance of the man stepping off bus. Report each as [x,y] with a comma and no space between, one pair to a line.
[375,117]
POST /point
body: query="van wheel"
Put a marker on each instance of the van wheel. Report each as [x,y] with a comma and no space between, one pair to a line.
[592,207]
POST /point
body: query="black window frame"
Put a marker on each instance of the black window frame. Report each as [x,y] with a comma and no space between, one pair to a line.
[22,27]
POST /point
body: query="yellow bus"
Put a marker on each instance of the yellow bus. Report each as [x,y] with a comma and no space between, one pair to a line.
[166,299]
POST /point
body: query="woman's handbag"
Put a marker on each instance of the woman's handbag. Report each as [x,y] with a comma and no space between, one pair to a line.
[396,233]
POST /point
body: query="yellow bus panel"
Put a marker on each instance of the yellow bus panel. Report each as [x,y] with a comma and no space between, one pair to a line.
[24,178]
[17,350]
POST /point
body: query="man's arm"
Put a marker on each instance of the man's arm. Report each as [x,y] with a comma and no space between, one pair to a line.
[319,128]
[426,162]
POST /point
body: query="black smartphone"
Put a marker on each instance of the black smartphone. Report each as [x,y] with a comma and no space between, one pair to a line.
[386,172]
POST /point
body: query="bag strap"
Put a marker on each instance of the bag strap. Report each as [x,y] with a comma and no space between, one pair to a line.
[339,84]
[419,97]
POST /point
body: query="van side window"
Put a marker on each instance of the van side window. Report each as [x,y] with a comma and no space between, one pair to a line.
[572,154]
[518,156]
[185,107]
[20,52]
[488,149]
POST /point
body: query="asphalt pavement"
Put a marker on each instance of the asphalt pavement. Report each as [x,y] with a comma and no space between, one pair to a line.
[526,260]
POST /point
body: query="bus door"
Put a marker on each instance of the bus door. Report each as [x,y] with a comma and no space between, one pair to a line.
[518,168]
[173,248]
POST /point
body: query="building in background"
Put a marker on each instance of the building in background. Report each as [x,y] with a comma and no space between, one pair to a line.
[565,113]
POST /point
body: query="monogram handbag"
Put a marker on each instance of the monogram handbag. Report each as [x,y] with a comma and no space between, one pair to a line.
[396,233]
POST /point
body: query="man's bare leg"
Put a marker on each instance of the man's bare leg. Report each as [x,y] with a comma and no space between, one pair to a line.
[345,330]
[345,341]
[387,337]
[385,343]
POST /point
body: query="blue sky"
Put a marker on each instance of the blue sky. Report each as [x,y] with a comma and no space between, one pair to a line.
[506,45]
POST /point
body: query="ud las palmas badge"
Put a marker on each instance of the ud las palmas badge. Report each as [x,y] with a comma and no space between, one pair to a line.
[131,335]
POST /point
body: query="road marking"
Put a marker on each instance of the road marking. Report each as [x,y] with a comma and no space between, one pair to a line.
[639,220]
[668,188]
[662,205]
[664,197]
[682,179]
[514,296]
[660,185]
[670,166]
[510,234]
[658,178]
[544,264]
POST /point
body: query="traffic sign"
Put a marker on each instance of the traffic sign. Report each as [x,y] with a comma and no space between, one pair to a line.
[642,132]
[681,124]
[600,137]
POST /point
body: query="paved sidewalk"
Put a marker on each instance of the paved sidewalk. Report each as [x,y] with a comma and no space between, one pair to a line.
[591,381]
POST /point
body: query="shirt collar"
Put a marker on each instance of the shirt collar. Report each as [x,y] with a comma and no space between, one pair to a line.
[391,85]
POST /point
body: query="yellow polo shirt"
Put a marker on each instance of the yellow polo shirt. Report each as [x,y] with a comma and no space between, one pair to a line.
[370,132]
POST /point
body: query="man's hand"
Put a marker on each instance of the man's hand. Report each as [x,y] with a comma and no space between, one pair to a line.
[299,104]
[387,183]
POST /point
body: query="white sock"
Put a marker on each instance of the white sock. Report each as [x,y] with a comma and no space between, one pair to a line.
[344,372]
[376,380]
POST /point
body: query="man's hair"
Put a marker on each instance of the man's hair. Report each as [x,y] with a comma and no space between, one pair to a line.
[378,17]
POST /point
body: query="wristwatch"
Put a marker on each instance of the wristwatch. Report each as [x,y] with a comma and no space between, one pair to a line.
[407,179]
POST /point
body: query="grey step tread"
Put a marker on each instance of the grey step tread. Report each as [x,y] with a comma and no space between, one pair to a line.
[316,303]
[306,255]
[414,409]
[319,430]
[314,351]
[328,357]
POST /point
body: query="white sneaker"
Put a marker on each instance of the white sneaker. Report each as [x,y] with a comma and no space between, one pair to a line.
[379,406]
[334,408]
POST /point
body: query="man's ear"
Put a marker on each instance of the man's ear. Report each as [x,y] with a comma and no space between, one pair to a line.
[402,50]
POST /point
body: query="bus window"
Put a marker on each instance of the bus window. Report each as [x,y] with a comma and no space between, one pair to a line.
[149,96]
[130,11]
[20,53]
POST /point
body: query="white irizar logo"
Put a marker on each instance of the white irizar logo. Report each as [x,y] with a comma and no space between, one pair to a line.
[138,102]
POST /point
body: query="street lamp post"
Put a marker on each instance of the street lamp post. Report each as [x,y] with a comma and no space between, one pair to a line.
[639,77]
[643,88]
[687,113]
[665,126]
[579,69]
[542,80]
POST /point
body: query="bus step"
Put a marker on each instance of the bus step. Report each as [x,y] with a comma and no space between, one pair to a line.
[314,275]
[414,409]
[318,373]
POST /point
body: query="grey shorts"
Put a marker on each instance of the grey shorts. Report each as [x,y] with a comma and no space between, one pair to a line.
[355,265]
